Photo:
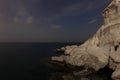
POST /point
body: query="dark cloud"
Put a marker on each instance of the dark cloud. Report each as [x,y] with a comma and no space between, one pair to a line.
[47,8]
[48,20]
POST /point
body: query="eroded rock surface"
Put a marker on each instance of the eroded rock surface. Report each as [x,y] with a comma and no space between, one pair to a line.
[103,49]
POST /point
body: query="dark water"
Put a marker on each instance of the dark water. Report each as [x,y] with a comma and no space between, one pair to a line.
[26,61]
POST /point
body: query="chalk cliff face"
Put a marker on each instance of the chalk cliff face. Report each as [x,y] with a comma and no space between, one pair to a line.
[103,49]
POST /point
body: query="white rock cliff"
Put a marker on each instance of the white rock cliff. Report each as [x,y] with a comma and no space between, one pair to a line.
[103,49]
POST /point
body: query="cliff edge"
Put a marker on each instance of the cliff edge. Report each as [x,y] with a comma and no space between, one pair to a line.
[103,49]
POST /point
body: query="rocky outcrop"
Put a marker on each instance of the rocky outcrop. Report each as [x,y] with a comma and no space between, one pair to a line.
[103,49]
[64,49]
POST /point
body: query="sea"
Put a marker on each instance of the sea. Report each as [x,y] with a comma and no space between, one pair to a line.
[29,61]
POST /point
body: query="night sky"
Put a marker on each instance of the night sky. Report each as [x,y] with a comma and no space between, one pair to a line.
[50,20]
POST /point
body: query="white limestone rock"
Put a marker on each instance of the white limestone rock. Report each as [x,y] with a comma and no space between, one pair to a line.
[116,74]
[115,53]
[93,57]
[60,58]
[66,49]
[101,49]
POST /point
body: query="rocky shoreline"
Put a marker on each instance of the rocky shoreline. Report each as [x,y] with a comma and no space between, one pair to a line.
[60,71]
[101,50]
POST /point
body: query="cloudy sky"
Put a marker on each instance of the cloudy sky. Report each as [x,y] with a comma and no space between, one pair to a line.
[49,20]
